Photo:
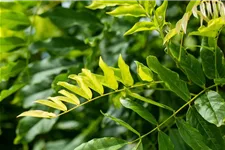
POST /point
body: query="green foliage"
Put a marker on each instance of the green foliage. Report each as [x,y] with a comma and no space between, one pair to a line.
[49,74]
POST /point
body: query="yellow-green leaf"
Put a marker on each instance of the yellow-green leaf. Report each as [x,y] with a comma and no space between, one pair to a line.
[144,72]
[128,10]
[53,103]
[109,77]
[92,81]
[70,95]
[160,14]
[37,113]
[169,35]
[148,5]
[63,98]
[125,72]
[141,26]
[83,86]
[100,4]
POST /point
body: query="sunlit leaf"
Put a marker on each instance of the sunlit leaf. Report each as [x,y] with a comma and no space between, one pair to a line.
[109,143]
[74,89]
[14,20]
[125,72]
[70,95]
[164,141]
[211,107]
[148,5]
[92,81]
[37,113]
[144,72]
[191,136]
[122,123]
[100,4]
[139,109]
[160,14]
[141,26]
[128,10]
[109,77]
[212,29]
[171,79]
[54,103]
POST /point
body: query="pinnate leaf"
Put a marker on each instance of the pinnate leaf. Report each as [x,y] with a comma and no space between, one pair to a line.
[109,143]
[171,79]
[144,72]
[125,72]
[141,26]
[122,123]
[164,141]
[211,107]
[37,113]
[191,136]
[134,10]
[139,109]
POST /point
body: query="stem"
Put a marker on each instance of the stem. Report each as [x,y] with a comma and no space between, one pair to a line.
[113,92]
[181,45]
[173,115]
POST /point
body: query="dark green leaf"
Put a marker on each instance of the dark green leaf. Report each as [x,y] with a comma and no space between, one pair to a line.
[177,140]
[190,65]
[109,143]
[211,107]
[10,43]
[139,109]
[210,132]
[164,141]
[147,100]
[171,79]
[64,18]
[122,123]
[29,127]
[11,90]
[191,136]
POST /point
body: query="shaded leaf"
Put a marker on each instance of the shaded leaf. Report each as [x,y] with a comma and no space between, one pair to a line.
[164,141]
[5,93]
[171,79]
[109,143]
[139,109]
[122,123]
[64,18]
[37,113]
[29,127]
[10,43]
[191,136]
[147,100]
[210,132]
[141,26]
[138,146]
[211,107]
